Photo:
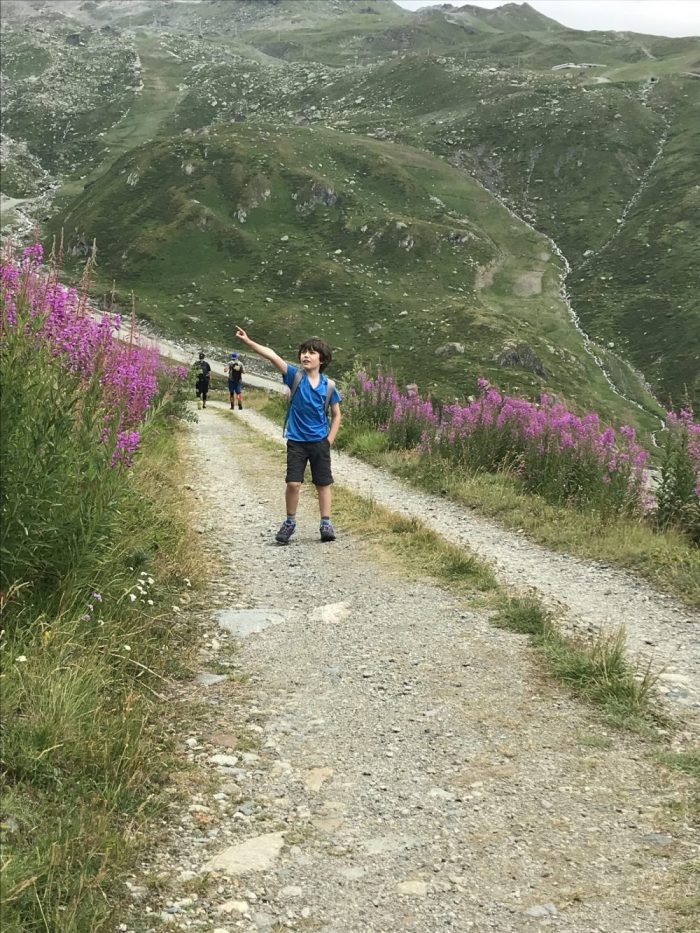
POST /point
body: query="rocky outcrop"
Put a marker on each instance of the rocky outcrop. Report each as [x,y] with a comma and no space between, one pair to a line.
[523,357]
[450,349]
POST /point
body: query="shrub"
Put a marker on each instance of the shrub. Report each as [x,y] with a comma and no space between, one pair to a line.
[678,495]
[564,457]
[73,403]
[83,635]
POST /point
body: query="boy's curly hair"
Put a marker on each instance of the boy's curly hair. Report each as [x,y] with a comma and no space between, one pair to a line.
[321,347]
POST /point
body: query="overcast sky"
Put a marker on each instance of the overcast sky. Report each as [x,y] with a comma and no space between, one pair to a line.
[656,17]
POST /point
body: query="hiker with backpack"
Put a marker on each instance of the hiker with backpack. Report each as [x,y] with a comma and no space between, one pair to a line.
[235,375]
[309,437]
[203,370]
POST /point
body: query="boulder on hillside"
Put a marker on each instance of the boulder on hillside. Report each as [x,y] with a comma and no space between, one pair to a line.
[450,349]
[521,356]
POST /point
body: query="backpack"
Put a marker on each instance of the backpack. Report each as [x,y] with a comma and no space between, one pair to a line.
[235,371]
[296,381]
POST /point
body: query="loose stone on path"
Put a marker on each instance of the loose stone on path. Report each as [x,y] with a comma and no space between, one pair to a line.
[258,854]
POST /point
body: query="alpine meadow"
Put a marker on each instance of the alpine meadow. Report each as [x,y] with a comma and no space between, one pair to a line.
[482,710]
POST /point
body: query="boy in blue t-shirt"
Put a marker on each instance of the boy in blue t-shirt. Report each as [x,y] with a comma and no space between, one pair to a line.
[309,439]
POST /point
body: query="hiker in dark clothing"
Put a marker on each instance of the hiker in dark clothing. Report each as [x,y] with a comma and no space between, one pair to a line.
[235,376]
[309,437]
[203,370]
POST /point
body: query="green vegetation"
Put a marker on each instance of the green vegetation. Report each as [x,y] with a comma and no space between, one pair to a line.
[597,669]
[299,99]
[390,253]
[83,759]
[94,550]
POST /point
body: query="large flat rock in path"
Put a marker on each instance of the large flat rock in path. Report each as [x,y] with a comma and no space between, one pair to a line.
[256,854]
[248,621]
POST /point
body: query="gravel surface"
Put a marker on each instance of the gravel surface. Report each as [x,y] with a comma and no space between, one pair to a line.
[374,755]
[589,596]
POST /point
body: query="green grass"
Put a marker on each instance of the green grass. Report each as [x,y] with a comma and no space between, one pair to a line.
[149,110]
[83,757]
[472,88]
[345,271]
[419,551]
[598,669]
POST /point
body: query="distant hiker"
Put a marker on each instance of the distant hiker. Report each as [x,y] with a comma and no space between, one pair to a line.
[235,375]
[309,438]
[203,370]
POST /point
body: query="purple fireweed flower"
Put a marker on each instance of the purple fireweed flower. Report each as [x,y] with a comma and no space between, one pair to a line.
[127,375]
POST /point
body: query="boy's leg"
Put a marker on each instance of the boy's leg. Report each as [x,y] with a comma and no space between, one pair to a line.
[296,465]
[324,500]
[289,525]
[291,498]
[240,400]
[322,477]
[324,506]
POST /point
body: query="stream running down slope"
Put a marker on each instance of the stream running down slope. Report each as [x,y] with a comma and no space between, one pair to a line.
[370,754]
[529,221]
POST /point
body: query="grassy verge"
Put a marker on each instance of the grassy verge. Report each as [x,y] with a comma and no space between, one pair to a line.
[83,757]
[596,669]
[664,557]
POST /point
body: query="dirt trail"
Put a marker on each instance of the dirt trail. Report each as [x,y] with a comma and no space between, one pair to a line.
[376,756]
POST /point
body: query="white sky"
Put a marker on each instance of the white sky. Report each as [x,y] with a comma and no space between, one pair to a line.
[655,17]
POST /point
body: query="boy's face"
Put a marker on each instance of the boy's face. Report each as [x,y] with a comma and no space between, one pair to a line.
[310,359]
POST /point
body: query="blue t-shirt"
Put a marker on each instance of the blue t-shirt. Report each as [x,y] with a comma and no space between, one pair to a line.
[307,415]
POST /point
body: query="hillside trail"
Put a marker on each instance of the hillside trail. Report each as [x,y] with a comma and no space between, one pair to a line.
[588,597]
[368,752]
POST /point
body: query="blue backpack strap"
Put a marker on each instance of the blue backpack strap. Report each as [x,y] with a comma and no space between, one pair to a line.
[298,376]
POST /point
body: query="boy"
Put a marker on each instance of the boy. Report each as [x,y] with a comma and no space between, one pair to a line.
[235,374]
[203,376]
[309,438]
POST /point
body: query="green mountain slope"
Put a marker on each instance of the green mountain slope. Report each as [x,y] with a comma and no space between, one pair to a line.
[642,288]
[588,137]
[391,253]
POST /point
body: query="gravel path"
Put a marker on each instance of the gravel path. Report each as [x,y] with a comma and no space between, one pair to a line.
[372,754]
[590,597]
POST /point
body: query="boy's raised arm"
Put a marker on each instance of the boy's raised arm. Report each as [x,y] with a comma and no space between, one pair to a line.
[266,352]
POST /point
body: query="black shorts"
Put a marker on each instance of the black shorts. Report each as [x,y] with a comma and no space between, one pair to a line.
[317,454]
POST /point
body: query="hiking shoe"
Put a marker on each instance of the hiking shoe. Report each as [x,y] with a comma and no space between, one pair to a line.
[327,532]
[232,406]
[285,532]
[240,407]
